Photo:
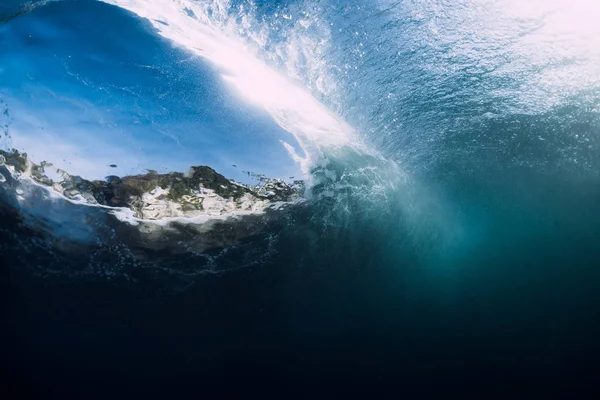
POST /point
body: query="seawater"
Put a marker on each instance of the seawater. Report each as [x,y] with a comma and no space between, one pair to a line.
[455,247]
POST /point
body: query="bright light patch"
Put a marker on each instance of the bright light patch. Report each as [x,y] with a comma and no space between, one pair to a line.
[189,25]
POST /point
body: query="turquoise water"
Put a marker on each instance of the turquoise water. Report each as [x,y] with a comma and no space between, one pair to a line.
[451,242]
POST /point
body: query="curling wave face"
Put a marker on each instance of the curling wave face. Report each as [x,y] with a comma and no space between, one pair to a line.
[451,120]
[192,213]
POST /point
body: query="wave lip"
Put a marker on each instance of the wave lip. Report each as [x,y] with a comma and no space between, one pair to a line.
[193,27]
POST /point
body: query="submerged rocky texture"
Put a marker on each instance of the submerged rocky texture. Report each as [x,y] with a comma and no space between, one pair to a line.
[201,192]
[174,213]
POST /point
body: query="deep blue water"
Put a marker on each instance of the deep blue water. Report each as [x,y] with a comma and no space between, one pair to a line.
[464,257]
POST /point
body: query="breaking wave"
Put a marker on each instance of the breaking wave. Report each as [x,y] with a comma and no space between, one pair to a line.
[447,156]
